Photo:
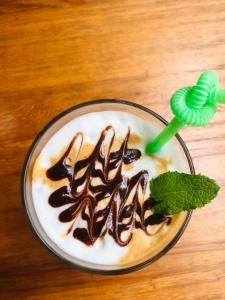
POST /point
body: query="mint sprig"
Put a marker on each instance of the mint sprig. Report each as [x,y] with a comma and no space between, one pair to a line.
[174,192]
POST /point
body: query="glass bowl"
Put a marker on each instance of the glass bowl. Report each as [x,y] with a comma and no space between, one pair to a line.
[42,138]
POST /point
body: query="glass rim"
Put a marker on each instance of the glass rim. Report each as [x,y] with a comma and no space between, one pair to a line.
[29,217]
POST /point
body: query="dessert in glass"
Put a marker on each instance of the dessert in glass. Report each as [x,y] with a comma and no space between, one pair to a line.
[85,186]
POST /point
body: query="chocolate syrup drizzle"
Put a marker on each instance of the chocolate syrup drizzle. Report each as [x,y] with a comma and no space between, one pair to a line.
[125,208]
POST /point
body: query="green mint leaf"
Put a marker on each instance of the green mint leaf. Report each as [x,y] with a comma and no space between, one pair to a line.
[175,192]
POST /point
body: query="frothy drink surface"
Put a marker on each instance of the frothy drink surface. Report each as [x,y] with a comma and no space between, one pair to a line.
[90,188]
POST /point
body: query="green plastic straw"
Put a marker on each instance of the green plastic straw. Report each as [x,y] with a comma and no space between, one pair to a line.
[193,106]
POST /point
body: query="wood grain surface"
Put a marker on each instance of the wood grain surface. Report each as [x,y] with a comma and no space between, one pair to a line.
[54,54]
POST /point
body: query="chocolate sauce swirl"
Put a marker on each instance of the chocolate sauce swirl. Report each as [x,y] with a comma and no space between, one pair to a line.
[124,207]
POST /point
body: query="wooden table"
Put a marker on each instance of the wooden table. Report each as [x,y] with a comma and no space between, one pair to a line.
[54,54]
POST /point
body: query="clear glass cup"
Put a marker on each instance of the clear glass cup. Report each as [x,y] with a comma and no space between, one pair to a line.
[42,138]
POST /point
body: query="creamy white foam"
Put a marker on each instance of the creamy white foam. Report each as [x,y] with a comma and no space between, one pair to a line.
[105,250]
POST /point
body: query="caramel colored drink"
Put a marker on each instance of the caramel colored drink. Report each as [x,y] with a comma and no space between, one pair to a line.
[90,189]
